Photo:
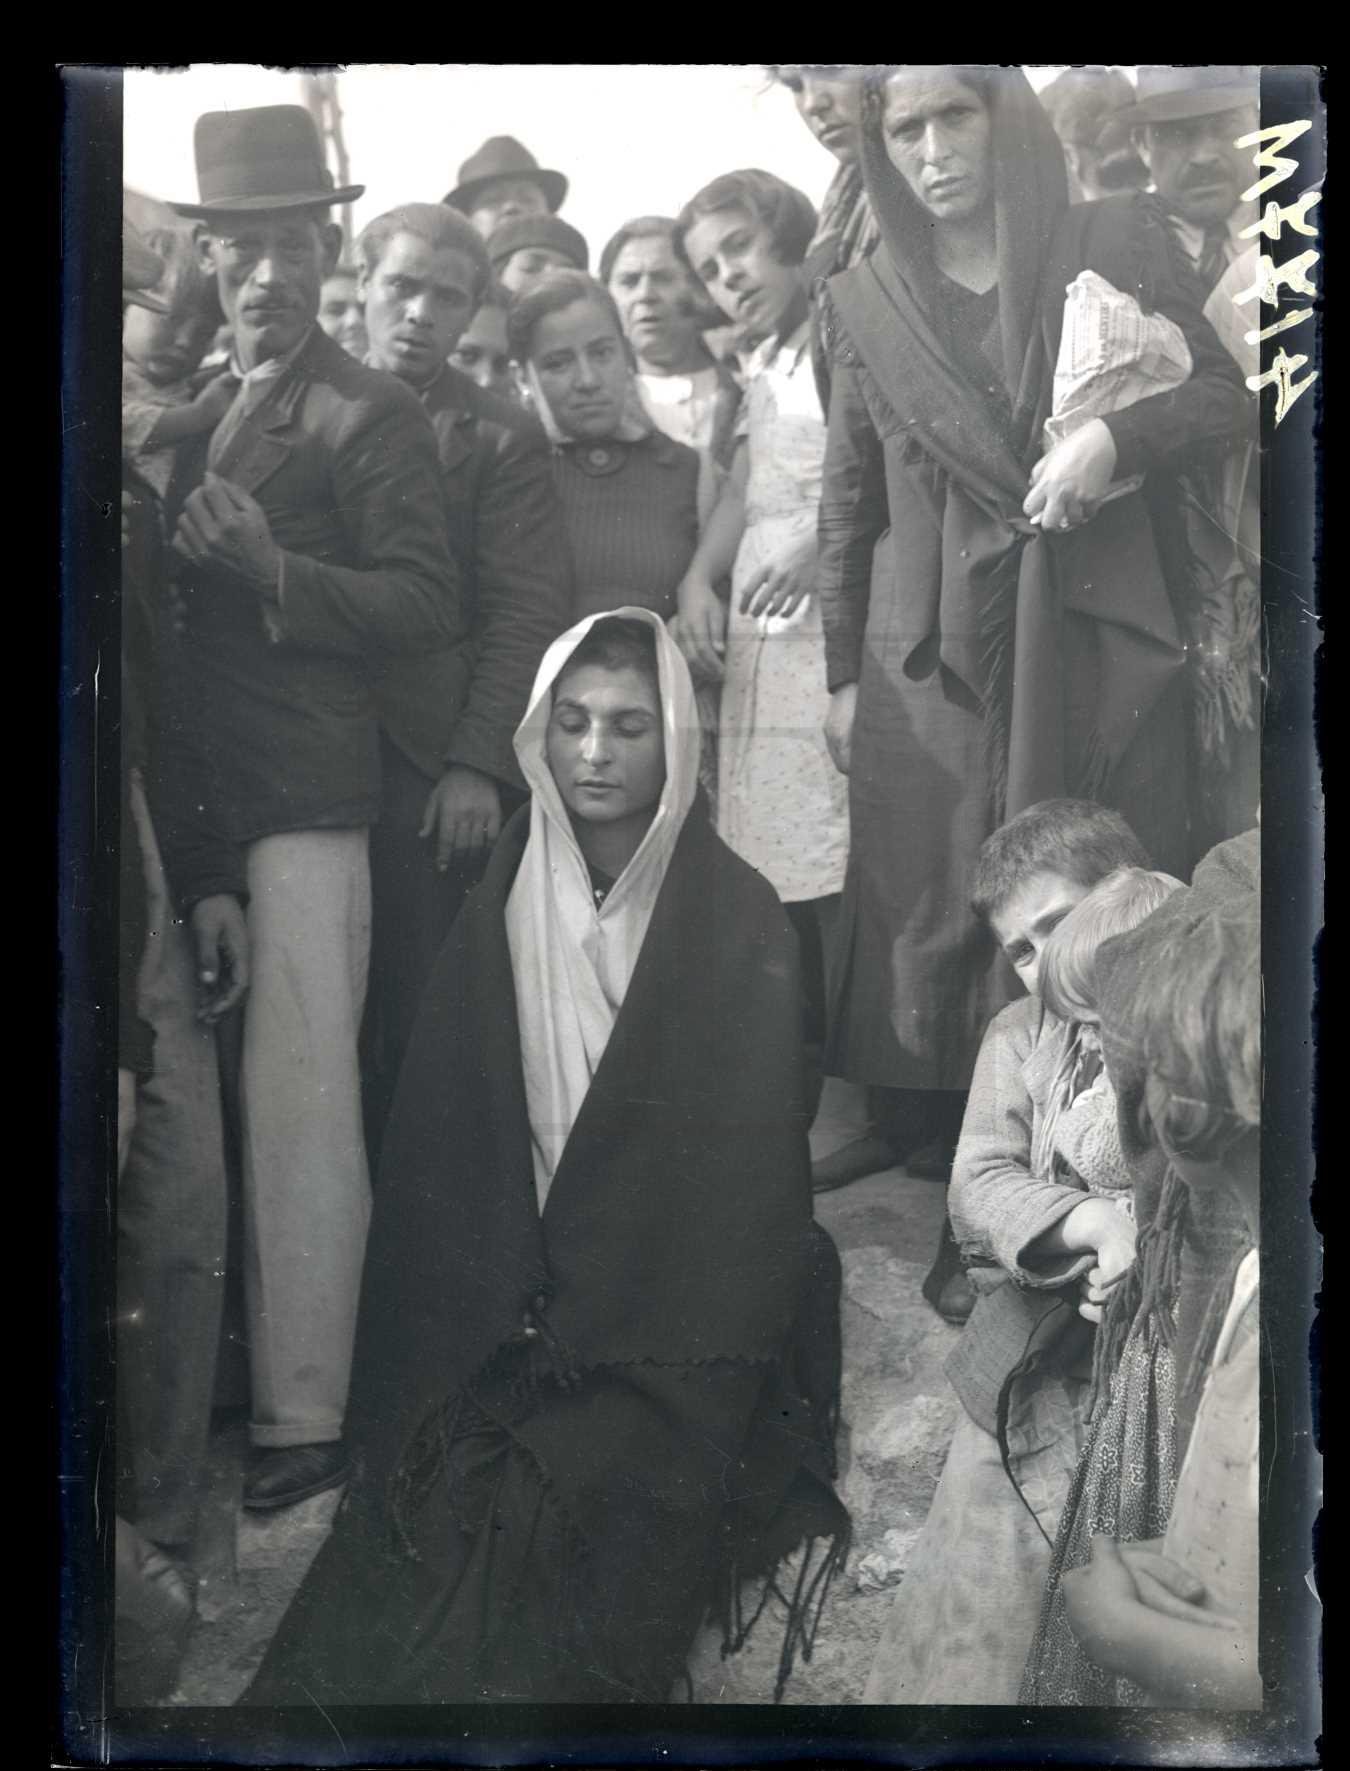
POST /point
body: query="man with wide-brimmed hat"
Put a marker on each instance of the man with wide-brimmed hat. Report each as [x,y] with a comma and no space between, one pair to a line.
[313,551]
[504,182]
[1186,124]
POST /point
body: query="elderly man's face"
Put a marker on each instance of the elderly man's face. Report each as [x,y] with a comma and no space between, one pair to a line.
[1196,168]
[269,270]
[506,199]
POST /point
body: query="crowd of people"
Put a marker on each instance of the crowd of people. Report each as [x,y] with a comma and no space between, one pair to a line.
[568,716]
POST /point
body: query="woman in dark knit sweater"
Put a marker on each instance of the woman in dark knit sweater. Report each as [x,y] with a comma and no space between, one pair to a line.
[629,494]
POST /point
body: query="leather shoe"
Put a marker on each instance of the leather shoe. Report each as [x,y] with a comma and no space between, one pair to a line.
[283,1474]
[956,1299]
[867,1155]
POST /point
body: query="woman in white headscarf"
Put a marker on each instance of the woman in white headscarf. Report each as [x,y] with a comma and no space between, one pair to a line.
[597,1357]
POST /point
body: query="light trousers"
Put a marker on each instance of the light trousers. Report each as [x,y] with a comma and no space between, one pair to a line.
[306,1185]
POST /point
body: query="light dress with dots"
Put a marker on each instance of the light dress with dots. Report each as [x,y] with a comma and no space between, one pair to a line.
[782,804]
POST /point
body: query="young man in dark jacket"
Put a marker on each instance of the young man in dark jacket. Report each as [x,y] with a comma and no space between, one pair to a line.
[447,718]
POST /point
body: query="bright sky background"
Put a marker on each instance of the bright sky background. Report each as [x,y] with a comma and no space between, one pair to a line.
[633,140]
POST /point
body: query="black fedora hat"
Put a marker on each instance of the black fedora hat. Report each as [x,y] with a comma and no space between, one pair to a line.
[502,156]
[1168,94]
[269,157]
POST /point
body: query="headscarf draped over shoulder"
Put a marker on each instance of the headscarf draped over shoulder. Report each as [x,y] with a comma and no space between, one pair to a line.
[573,963]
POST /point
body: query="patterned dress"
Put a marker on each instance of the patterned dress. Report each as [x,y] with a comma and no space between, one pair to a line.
[782,804]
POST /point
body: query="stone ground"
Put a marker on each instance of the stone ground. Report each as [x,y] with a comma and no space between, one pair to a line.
[898,1415]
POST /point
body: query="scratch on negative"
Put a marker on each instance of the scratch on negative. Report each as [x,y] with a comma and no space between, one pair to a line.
[322,1711]
[1275,1419]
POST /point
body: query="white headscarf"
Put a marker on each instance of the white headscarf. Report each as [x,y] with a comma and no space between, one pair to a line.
[571,961]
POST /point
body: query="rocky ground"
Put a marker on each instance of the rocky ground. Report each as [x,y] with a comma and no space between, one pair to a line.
[898,1414]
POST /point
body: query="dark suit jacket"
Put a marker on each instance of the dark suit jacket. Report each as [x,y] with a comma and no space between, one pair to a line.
[343,461]
[463,705]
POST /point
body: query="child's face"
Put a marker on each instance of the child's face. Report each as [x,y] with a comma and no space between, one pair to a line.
[342,315]
[483,354]
[1028,916]
[530,266]
[166,347]
[733,257]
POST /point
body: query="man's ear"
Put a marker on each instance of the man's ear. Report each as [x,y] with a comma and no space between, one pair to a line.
[330,239]
[1139,138]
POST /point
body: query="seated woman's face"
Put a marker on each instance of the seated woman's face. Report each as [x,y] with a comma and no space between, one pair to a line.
[733,257]
[937,134]
[605,746]
[582,366]
[655,299]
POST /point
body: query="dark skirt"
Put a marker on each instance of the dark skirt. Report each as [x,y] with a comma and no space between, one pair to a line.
[920,975]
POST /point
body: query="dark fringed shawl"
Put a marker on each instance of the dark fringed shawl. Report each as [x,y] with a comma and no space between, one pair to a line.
[846,232]
[574,1436]
[1005,587]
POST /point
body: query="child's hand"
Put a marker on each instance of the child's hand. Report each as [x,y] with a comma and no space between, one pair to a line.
[216,398]
[1165,1586]
[1183,1655]
[1096,1225]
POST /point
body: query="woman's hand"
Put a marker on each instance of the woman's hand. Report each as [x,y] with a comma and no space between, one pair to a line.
[1069,482]
[839,726]
[782,587]
[700,628]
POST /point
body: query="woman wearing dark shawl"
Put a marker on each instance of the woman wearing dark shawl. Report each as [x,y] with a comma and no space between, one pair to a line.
[828,97]
[597,1357]
[997,632]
